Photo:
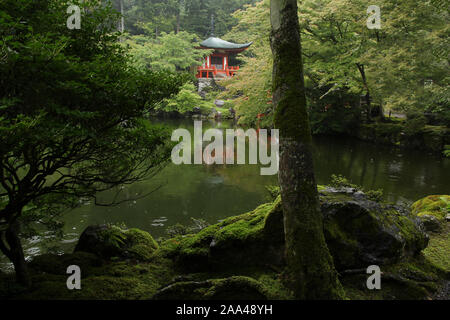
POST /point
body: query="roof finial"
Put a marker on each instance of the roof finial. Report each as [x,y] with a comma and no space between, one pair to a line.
[212,25]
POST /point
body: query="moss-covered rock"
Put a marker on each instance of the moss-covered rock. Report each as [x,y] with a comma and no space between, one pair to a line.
[359,232]
[437,206]
[232,288]
[247,262]
[438,251]
[253,238]
[431,223]
[110,241]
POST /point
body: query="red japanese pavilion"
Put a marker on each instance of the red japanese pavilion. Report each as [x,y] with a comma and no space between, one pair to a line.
[219,65]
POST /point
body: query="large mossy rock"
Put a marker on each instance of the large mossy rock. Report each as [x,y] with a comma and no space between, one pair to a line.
[233,288]
[359,233]
[110,241]
[254,238]
[433,211]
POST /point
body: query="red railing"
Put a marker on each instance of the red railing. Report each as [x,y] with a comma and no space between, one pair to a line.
[213,71]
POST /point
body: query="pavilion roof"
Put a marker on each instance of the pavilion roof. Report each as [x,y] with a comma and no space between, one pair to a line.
[216,43]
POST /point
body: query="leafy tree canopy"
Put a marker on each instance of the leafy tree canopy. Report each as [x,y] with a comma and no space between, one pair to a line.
[70,108]
[172,52]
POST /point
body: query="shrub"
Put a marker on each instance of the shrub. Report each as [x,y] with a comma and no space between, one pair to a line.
[375,195]
[339,181]
[415,123]
[447,151]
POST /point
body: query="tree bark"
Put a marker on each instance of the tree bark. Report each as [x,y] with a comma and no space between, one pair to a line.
[362,71]
[177,31]
[11,247]
[310,270]
[122,18]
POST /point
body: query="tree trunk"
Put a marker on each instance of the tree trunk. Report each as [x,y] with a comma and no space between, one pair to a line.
[122,18]
[178,23]
[310,270]
[11,247]
[362,71]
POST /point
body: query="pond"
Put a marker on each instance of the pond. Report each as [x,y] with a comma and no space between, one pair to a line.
[215,192]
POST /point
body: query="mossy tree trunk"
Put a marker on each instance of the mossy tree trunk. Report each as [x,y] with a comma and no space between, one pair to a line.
[310,269]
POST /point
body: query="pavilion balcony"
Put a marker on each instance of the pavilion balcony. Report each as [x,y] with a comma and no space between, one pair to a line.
[215,73]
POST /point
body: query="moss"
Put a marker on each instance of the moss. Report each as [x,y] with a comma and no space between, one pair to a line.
[92,288]
[142,244]
[113,236]
[417,278]
[238,228]
[406,227]
[339,181]
[361,232]
[375,195]
[113,288]
[55,264]
[110,281]
[347,246]
[412,279]
[231,288]
[235,287]
[334,197]
[392,288]
[435,205]
[438,250]
[113,242]
[273,286]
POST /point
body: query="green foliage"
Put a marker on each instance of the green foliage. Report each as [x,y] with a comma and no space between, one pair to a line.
[170,51]
[251,89]
[339,181]
[397,61]
[447,151]
[415,123]
[70,109]
[185,101]
[334,115]
[375,195]
[193,16]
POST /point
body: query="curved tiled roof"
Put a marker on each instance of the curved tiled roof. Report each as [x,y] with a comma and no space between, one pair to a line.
[216,43]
